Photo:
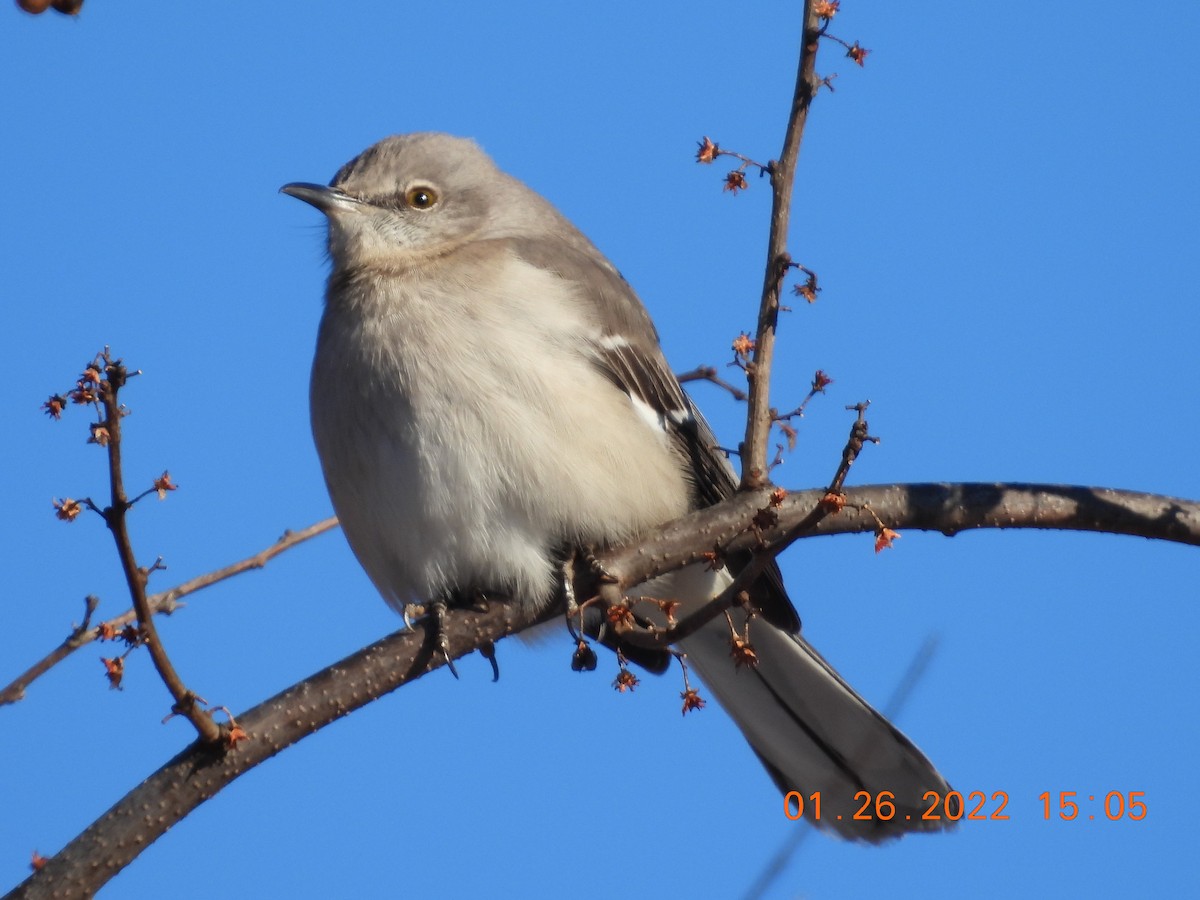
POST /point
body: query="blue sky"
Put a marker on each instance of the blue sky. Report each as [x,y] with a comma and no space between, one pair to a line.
[1002,211]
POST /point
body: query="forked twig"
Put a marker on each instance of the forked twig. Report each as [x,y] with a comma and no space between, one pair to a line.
[164,603]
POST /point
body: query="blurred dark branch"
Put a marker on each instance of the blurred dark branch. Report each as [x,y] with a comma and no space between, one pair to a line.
[912,676]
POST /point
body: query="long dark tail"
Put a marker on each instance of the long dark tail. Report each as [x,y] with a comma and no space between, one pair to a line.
[815,735]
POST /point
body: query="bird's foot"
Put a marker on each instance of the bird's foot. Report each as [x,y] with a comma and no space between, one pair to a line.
[437,625]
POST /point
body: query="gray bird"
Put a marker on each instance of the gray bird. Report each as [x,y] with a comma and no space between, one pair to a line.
[487,390]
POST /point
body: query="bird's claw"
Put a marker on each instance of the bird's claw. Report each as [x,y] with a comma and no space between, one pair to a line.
[437,624]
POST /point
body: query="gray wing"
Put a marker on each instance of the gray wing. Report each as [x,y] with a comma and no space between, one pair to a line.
[630,355]
[806,724]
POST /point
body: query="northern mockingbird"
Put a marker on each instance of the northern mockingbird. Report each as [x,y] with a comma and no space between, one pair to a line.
[487,390]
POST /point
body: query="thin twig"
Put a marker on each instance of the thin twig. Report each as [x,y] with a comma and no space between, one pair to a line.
[289,539]
[709,374]
[736,593]
[135,577]
[163,603]
[819,383]
[783,170]
[859,437]
[15,690]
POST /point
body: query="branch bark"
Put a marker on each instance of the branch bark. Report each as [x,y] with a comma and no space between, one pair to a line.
[163,603]
[201,770]
[946,508]
[136,577]
[783,172]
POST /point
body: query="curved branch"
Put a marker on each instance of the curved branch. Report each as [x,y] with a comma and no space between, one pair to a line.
[200,771]
[948,508]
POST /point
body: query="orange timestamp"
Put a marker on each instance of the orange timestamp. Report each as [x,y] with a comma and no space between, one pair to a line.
[1115,805]
[974,806]
[881,806]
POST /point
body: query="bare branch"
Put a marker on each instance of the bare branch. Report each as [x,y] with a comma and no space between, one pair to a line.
[947,508]
[200,771]
[783,171]
[709,374]
[766,517]
[115,514]
[164,603]
[80,634]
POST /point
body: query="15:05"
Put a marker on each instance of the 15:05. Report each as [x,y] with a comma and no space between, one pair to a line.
[1117,805]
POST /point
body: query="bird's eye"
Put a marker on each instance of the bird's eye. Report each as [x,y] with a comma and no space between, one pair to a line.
[421,197]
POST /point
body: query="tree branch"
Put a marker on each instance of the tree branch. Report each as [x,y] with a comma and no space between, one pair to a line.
[709,374]
[164,603]
[136,577]
[201,770]
[783,172]
[947,508]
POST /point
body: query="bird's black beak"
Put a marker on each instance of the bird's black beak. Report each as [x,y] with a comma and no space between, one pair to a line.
[324,198]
